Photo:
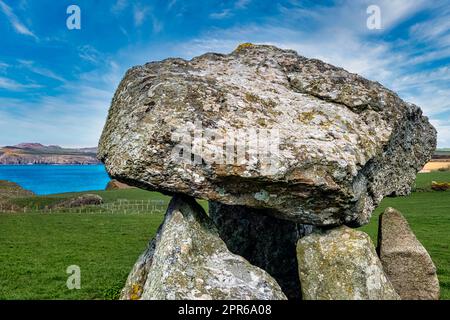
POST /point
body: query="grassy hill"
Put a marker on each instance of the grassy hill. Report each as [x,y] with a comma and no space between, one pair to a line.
[36,247]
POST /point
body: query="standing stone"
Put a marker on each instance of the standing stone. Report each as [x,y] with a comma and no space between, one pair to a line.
[341,264]
[265,241]
[188,260]
[406,262]
[337,143]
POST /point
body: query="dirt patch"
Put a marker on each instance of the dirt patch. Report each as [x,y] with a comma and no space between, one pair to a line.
[436,165]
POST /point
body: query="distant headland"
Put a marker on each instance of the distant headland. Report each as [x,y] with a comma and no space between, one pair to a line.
[36,153]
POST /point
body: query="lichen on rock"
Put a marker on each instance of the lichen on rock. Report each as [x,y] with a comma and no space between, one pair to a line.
[405,260]
[341,264]
[342,143]
[188,260]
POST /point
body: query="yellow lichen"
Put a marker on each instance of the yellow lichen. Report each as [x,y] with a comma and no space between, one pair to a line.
[252,98]
[135,292]
[306,117]
[244,46]
[261,122]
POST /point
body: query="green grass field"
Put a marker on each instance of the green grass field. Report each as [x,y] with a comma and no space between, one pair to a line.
[36,248]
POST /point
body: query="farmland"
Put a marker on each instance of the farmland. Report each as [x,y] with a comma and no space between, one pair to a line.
[37,246]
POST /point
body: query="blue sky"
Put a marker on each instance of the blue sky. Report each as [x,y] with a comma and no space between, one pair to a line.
[56,84]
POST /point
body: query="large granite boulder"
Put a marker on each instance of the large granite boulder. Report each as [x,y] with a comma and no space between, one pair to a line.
[406,262]
[265,128]
[265,241]
[341,264]
[188,260]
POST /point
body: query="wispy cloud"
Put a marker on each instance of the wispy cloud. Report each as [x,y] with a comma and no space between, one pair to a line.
[225,13]
[140,14]
[119,6]
[15,21]
[32,67]
[242,4]
[80,108]
[435,32]
[229,12]
[394,12]
[409,55]
[443,128]
[89,53]
[157,25]
[3,66]
[13,85]
[345,41]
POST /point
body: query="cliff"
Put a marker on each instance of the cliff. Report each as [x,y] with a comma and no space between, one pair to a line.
[36,153]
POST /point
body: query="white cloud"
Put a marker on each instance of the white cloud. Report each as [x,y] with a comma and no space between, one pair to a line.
[340,37]
[15,21]
[395,11]
[431,54]
[352,15]
[81,111]
[241,4]
[341,48]
[433,99]
[349,44]
[119,6]
[32,67]
[139,15]
[432,30]
[33,122]
[89,53]
[440,75]
[3,67]
[221,15]
[443,129]
[157,25]
[228,12]
[12,85]
[80,108]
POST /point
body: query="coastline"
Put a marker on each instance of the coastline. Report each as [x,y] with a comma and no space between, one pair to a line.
[44,179]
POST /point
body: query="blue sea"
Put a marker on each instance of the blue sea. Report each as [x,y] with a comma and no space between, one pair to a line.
[48,179]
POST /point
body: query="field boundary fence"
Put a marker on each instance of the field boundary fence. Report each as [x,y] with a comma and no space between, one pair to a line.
[118,206]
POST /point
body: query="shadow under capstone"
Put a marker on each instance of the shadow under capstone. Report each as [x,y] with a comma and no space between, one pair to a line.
[266,242]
